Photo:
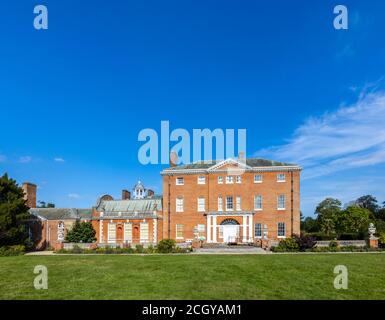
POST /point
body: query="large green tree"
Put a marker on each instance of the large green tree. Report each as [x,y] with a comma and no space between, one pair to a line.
[81,232]
[368,202]
[327,214]
[13,213]
[353,219]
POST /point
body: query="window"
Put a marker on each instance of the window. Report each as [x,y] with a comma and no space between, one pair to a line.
[111,232]
[201,179]
[220,204]
[179,231]
[257,178]
[281,202]
[229,179]
[220,179]
[281,229]
[143,232]
[201,204]
[258,230]
[258,202]
[201,230]
[180,181]
[281,177]
[229,203]
[238,179]
[127,232]
[238,203]
[179,204]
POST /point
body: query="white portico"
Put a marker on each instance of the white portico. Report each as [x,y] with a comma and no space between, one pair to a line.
[226,228]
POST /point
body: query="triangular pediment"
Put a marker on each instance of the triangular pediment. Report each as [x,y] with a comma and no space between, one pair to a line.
[229,164]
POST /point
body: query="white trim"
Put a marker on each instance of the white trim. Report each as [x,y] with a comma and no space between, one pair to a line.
[214,229]
[208,228]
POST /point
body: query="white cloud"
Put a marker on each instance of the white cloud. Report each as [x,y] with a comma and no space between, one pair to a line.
[59,159]
[73,196]
[350,137]
[25,159]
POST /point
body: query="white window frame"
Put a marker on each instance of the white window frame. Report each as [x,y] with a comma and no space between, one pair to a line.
[127,232]
[227,203]
[201,180]
[111,239]
[256,229]
[229,179]
[278,229]
[201,207]
[238,179]
[257,208]
[220,204]
[144,227]
[220,180]
[178,182]
[279,177]
[179,204]
[279,207]
[176,231]
[238,203]
[258,181]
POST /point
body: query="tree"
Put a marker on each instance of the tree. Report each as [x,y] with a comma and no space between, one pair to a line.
[13,213]
[81,232]
[43,204]
[328,211]
[309,225]
[353,219]
[368,202]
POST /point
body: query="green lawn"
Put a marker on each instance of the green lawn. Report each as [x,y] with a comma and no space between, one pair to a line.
[296,276]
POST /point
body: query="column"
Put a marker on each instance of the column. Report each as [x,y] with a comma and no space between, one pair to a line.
[251,224]
[208,240]
[214,228]
[155,230]
[244,228]
[100,231]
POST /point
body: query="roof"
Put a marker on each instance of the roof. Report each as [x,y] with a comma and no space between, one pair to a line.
[61,213]
[130,206]
[250,162]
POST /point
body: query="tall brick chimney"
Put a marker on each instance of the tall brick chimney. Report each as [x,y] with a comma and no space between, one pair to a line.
[126,195]
[30,194]
[150,193]
[241,156]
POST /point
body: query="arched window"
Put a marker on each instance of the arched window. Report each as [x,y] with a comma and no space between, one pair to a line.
[229,221]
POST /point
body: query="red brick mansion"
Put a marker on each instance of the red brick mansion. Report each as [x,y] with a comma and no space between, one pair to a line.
[219,202]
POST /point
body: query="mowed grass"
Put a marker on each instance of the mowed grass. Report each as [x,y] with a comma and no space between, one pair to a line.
[275,276]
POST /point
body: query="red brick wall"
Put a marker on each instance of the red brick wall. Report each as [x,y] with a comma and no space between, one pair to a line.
[269,189]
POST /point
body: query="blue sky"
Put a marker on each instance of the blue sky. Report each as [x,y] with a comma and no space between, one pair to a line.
[73,98]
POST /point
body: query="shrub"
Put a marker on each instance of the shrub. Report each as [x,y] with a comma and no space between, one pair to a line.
[150,249]
[139,248]
[12,250]
[381,240]
[166,246]
[287,245]
[81,232]
[76,249]
[333,246]
[320,236]
[305,241]
[351,236]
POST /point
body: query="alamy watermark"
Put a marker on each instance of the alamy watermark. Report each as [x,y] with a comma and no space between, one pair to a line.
[41,280]
[156,148]
[341,280]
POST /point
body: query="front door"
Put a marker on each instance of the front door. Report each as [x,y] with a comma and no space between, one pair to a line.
[230,233]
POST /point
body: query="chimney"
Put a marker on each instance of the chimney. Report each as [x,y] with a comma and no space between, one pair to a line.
[241,156]
[126,195]
[150,193]
[30,194]
[173,159]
